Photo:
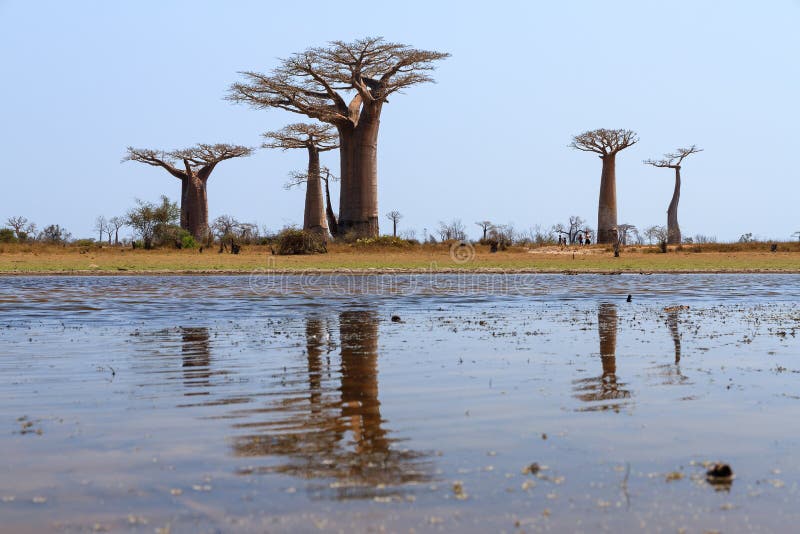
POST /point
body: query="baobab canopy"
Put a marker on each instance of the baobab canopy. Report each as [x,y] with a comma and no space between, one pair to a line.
[346,85]
[198,162]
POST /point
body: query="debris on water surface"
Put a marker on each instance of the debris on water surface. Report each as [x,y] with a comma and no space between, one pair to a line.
[630,298]
[396,319]
[458,490]
[675,308]
[719,473]
[674,475]
[531,469]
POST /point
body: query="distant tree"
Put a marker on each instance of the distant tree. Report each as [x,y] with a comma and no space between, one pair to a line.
[797,235]
[673,161]
[198,162]
[395,217]
[100,226]
[656,233]
[626,231]
[18,223]
[747,238]
[315,138]
[607,144]
[502,234]
[484,225]
[571,231]
[454,230]
[55,234]
[152,221]
[115,223]
[345,85]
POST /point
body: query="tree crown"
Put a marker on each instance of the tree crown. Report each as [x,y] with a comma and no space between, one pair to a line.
[197,158]
[604,142]
[303,135]
[673,160]
[319,82]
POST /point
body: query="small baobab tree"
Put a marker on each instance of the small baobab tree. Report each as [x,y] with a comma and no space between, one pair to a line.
[345,85]
[673,160]
[101,227]
[315,138]
[198,162]
[607,144]
[115,223]
[395,217]
[485,227]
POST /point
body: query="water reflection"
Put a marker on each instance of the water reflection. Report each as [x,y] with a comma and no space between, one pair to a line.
[604,392]
[671,373]
[329,428]
[196,356]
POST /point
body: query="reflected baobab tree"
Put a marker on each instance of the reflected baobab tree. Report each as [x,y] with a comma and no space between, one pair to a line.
[604,392]
[671,373]
[196,355]
[330,426]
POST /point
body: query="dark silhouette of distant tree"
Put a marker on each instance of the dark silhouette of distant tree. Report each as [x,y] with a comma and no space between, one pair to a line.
[485,226]
[346,85]
[607,144]
[198,162]
[395,217]
[673,161]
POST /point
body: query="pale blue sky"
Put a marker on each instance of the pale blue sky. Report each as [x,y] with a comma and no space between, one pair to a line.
[82,80]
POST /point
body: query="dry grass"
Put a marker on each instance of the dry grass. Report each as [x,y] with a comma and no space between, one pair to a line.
[38,258]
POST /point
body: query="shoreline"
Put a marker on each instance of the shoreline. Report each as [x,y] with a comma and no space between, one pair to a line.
[382,272]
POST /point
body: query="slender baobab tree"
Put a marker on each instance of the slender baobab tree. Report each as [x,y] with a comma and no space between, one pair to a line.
[673,161]
[325,175]
[198,162]
[606,143]
[485,226]
[346,85]
[395,217]
[315,138]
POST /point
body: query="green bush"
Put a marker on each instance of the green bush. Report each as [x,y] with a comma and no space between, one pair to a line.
[7,235]
[294,241]
[84,243]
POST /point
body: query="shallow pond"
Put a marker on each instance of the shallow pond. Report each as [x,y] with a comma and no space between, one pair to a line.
[361,403]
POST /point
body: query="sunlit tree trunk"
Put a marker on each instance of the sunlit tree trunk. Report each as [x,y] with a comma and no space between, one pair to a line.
[607,206]
[673,229]
[196,208]
[314,219]
[358,201]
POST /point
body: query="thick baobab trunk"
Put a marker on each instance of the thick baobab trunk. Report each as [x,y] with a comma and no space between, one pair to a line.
[673,230]
[184,203]
[607,206]
[314,219]
[358,204]
[196,208]
[394,228]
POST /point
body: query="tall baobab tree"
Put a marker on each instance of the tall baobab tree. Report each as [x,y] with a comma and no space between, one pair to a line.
[198,162]
[346,85]
[607,144]
[315,138]
[673,161]
[395,217]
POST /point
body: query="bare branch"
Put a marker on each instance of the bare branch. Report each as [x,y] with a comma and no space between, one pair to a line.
[156,159]
[673,160]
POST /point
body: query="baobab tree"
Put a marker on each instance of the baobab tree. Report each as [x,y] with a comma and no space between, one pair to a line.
[485,226]
[673,161]
[315,138]
[395,217]
[116,223]
[607,144]
[345,85]
[198,162]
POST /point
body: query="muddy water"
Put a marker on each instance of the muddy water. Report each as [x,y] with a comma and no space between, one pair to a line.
[203,404]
